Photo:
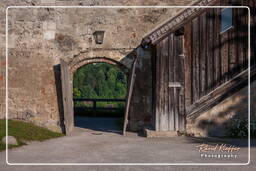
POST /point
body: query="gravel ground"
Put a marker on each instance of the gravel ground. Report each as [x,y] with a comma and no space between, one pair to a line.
[97,146]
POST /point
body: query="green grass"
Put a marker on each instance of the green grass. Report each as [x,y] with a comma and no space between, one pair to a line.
[25,132]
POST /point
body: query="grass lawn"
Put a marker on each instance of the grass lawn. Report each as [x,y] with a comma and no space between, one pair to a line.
[24,132]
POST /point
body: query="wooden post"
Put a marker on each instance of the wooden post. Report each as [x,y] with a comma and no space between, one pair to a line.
[130,90]
[67,97]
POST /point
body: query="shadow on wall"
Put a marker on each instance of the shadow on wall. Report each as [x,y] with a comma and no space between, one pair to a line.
[238,38]
[57,76]
[234,103]
[220,121]
[142,86]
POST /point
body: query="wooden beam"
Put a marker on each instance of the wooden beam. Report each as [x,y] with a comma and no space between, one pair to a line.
[217,95]
[130,90]
[176,22]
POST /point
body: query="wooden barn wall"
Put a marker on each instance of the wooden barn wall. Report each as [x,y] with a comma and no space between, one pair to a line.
[214,57]
[211,58]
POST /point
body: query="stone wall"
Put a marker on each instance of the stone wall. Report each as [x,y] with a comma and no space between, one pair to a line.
[216,121]
[39,37]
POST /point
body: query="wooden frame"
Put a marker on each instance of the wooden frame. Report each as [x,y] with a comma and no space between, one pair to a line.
[220,93]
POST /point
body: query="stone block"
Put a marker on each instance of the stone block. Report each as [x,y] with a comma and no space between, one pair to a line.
[12,41]
[11,140]
[49,25]
[49,35]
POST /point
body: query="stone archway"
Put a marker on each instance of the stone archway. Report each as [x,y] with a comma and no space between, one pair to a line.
[74,65]
[68,68]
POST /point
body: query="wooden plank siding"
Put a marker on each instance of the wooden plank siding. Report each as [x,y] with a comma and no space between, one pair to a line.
[216,57]
[195,59]
[187,65]
[171,79]
[202,60]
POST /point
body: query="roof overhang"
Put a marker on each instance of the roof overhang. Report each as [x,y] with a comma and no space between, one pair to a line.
[174,23]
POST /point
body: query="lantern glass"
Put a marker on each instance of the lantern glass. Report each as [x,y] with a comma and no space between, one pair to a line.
[99,36]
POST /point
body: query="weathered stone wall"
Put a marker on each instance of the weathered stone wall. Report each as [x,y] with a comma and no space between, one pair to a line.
[39,37]
[216,121]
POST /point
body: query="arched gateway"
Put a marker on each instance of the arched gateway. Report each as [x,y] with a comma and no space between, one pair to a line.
[68,68]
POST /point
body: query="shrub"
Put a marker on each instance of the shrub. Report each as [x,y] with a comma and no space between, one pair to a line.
[239,128]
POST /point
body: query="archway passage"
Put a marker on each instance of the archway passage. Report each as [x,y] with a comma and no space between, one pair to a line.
[99,92]
[69,67]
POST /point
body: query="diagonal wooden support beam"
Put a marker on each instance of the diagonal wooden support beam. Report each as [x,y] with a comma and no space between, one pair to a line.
[130,90]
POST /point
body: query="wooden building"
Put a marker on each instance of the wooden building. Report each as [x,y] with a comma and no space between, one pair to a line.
[200,57]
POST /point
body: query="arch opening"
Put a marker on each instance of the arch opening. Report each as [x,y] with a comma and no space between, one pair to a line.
[99,93]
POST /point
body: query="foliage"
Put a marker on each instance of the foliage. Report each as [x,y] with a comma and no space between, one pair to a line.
[99,80]
[24,132]
[239,128]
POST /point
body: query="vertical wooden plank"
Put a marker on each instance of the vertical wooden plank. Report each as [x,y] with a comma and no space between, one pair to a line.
[153,66]
[237,40]
[239,33]
[251,5]
[245,37]
[224,57]
[161,82]
[176,78]
[166,80]
[162,113]
[164,84]
[210,60]
[195,56]
[181,80]
[216,48]
[224,51]
[187,65]
[232,46]
[175,109]
[203,45]
[171,117]
[157,90]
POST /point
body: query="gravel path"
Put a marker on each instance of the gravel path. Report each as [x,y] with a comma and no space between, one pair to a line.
[94,146]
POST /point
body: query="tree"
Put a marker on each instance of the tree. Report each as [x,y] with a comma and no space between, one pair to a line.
[99,80]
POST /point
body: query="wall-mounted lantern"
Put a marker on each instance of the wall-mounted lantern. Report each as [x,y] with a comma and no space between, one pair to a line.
[99,36]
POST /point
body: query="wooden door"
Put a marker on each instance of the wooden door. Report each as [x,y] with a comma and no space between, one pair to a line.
[169,87]
[176,85]
[67,96]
